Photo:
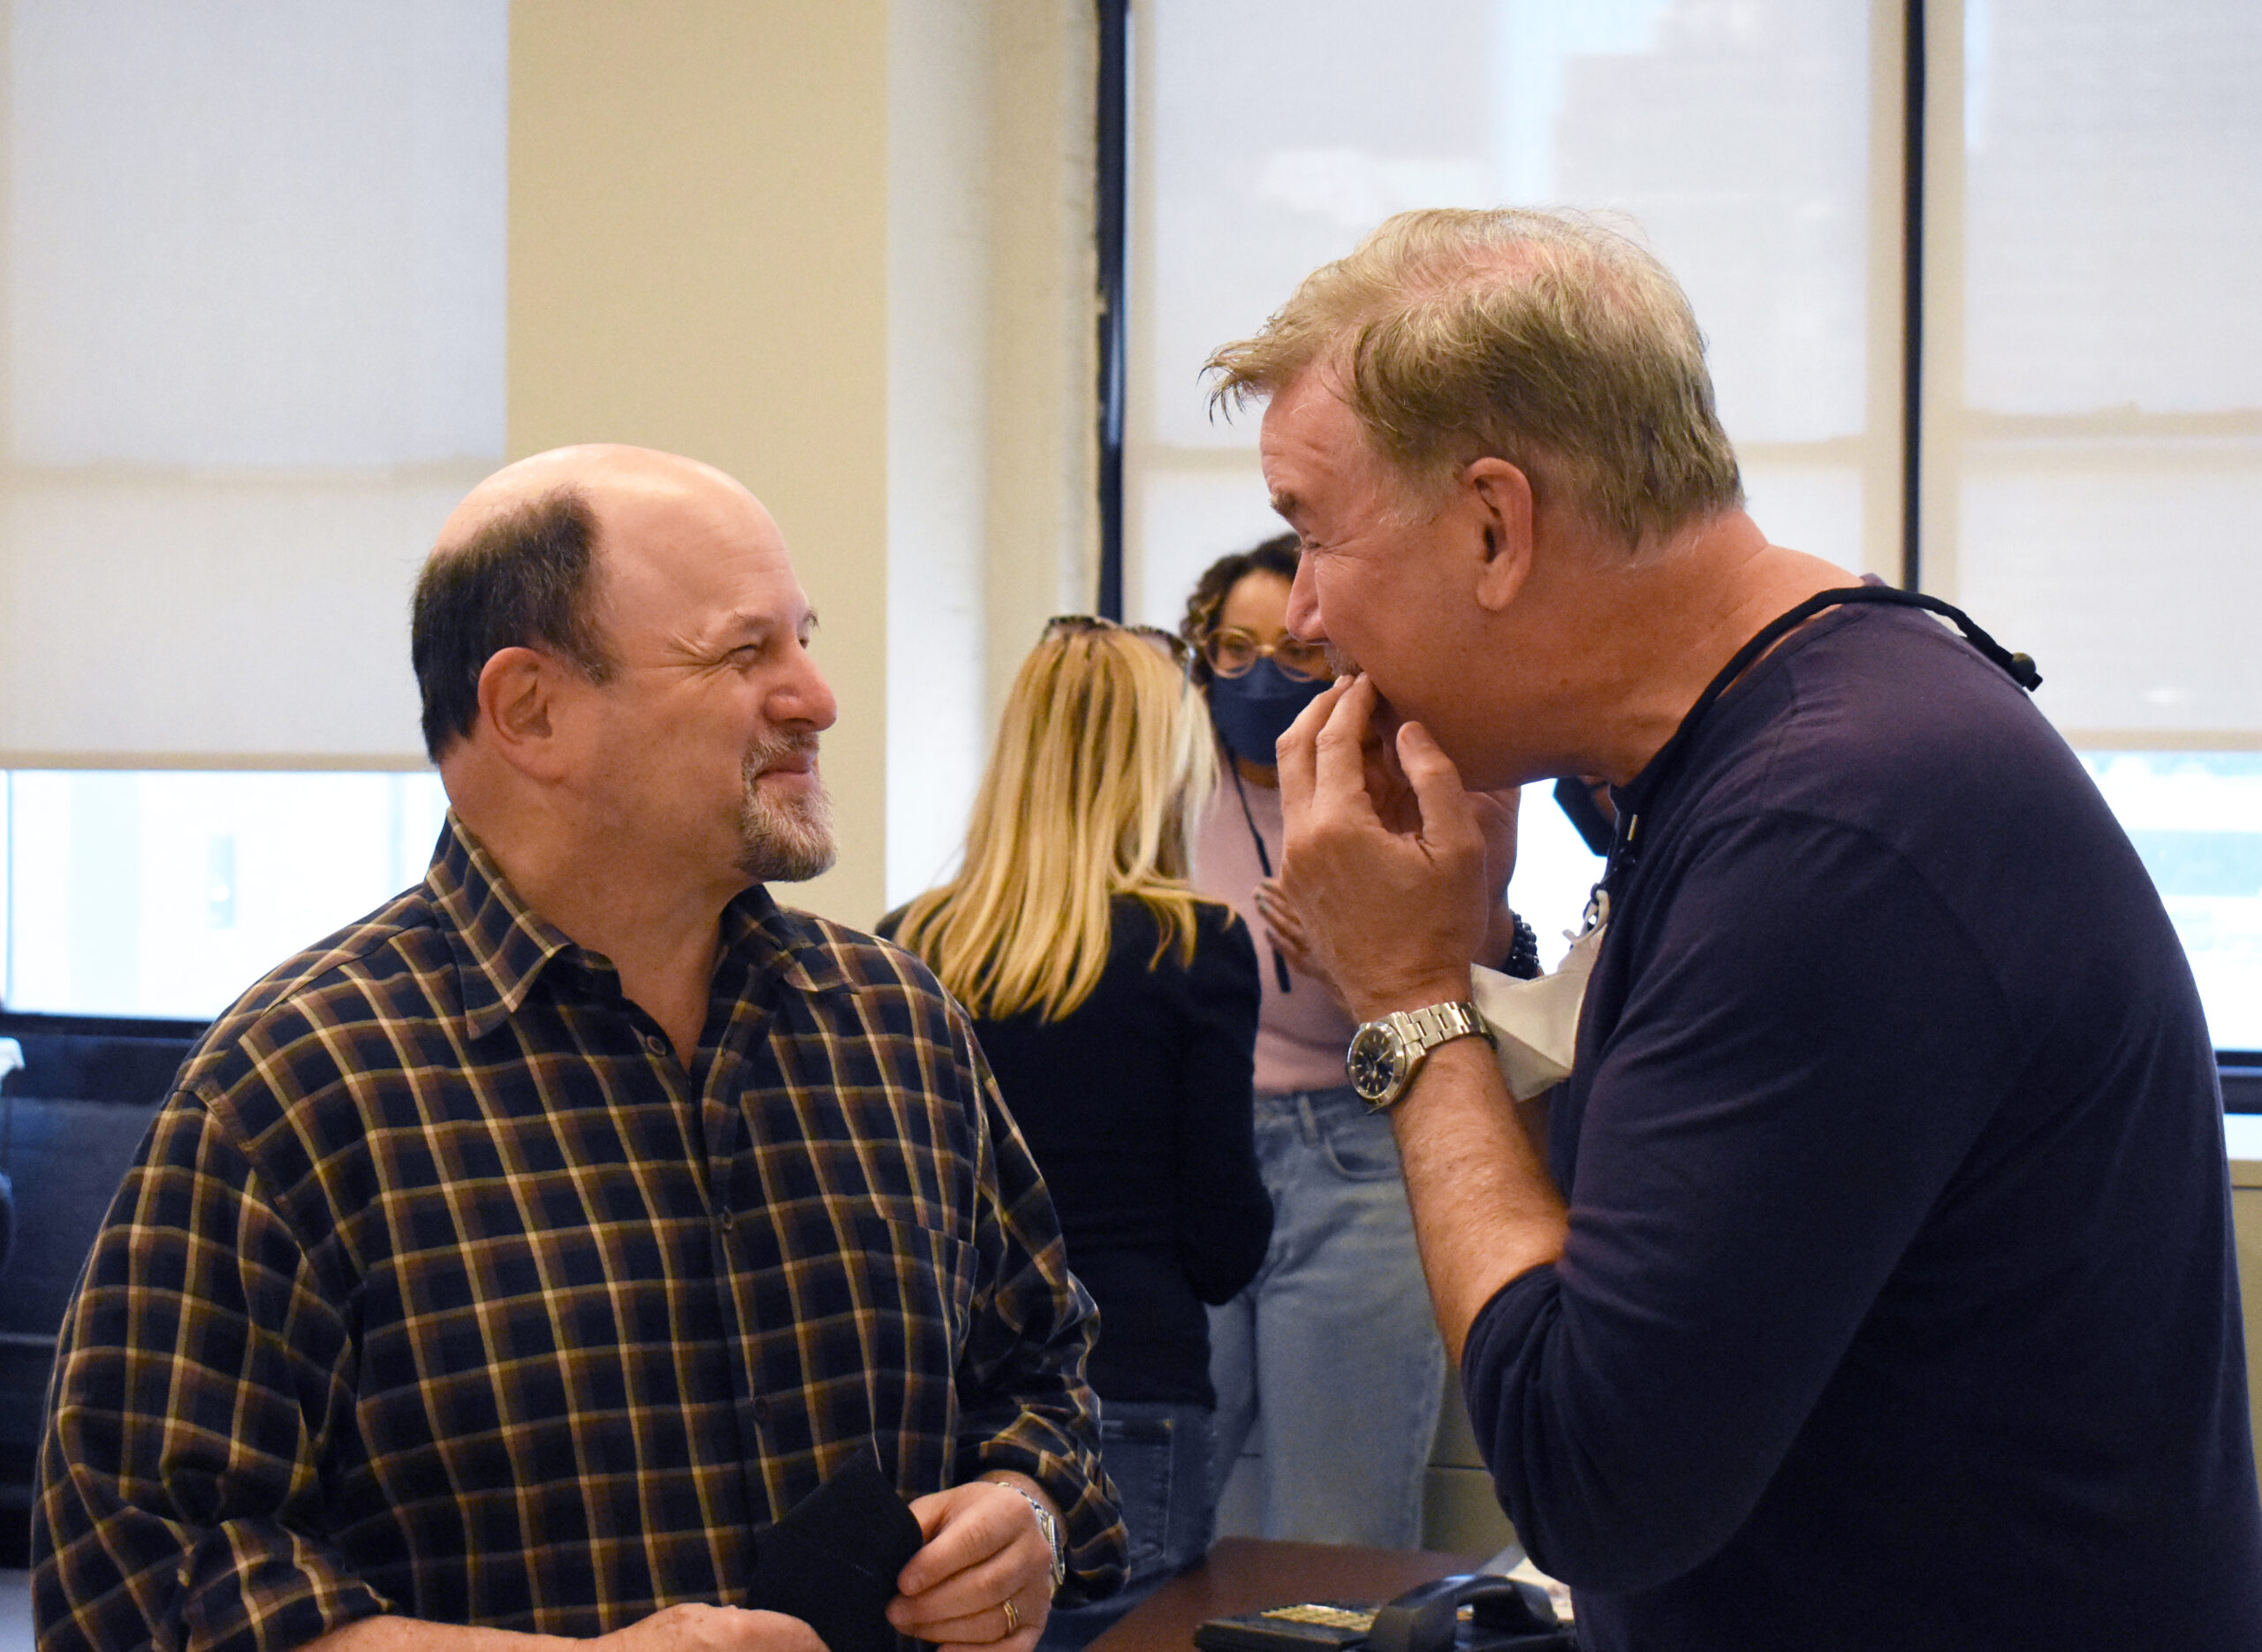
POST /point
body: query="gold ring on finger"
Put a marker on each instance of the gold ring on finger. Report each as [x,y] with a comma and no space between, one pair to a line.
[1012,1616]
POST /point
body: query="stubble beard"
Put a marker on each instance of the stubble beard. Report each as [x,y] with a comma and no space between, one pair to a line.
[783,840]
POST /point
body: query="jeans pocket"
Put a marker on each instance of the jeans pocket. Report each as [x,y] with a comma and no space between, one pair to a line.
[1358,1147]
[1139,1457]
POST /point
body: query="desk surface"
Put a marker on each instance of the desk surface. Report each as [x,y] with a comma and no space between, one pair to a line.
[1247,1574]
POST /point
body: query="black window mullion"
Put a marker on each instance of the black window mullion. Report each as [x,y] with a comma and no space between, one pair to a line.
[1112,213]
[1912,292]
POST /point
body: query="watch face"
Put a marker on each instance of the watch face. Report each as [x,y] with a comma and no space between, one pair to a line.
[1377,1061]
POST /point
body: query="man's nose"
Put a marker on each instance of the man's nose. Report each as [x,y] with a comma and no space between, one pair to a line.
[804,697]
[1304,605]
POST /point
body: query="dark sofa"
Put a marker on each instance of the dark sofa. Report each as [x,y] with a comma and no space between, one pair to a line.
[71,1121]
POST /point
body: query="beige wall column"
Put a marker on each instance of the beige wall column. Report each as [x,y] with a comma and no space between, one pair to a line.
[698,261]
[1044,344]
[843,252]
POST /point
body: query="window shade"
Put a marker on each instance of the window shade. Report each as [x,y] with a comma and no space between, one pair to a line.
[254,353]
[1272,135]
[2093,445]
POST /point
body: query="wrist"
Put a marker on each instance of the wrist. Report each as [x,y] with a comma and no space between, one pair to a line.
[1446,1058]
[1048,1519]
[1375,1002]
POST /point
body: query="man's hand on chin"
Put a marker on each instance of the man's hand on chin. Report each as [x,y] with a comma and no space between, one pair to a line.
[984,1551]
[1387,788]
[1385,858]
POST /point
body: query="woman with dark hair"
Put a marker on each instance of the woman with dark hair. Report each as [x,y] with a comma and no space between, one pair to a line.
[1328,1365]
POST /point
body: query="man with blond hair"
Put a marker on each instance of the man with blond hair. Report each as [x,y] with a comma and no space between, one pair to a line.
[502,1264]
[1869,1282]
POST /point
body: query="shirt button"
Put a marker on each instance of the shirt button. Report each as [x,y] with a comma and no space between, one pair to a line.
[762,1410]
[653,1042]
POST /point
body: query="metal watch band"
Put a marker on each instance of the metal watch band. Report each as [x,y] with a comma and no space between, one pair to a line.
[1435,1024]
[1047,1523]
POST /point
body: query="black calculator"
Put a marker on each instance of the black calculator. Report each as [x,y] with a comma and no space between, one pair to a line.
[1306,1626]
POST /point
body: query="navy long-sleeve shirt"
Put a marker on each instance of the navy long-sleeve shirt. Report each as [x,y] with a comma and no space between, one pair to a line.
[1898,1308]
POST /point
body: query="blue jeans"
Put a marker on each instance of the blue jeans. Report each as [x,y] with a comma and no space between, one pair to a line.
[1159,1457]
[1328,1368]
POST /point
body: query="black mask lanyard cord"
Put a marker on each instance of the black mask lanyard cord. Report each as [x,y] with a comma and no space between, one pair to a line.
[1264,861]
[1626,849]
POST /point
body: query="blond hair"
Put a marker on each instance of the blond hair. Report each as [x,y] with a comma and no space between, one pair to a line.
[1542,339]
[1103,758]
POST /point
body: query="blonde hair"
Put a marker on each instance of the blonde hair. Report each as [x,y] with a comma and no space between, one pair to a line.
[1103,758]
[1542,339]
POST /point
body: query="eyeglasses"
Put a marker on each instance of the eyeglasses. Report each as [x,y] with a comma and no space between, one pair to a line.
[1232,652]
[1072,624]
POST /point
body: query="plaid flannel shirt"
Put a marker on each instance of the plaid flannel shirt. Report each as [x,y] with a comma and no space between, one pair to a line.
[440,1287]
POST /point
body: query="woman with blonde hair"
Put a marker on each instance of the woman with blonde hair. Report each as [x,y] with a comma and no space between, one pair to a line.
[1118,1010]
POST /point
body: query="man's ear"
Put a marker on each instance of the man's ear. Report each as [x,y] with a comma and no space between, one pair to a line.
[519,710]
[1501,494]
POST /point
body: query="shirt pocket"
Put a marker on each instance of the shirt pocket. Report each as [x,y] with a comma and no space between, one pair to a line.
[915,1292]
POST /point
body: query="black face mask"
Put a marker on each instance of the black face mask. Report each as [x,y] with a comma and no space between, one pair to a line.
[1252,712]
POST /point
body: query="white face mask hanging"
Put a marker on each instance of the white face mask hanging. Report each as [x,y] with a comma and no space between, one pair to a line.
[1534,1024]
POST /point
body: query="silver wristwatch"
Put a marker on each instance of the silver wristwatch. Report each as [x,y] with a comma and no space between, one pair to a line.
[1385,1055]
[1050,1529]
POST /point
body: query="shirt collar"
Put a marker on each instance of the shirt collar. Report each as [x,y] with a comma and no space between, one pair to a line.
[774,940]
[502,945]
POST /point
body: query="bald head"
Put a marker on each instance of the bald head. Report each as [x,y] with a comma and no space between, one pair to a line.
[525,559]
[605,474]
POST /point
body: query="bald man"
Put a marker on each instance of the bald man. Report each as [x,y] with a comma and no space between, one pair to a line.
[501,1264]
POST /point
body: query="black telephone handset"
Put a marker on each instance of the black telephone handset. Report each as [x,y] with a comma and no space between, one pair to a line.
[1505,1614]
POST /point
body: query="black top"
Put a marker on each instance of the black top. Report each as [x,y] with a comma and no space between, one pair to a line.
[1137,1107]
[1898,1308]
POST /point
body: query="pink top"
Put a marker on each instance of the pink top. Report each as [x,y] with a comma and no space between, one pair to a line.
[1301,1033]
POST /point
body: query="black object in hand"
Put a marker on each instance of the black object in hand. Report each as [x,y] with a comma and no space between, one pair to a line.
[832,1561]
